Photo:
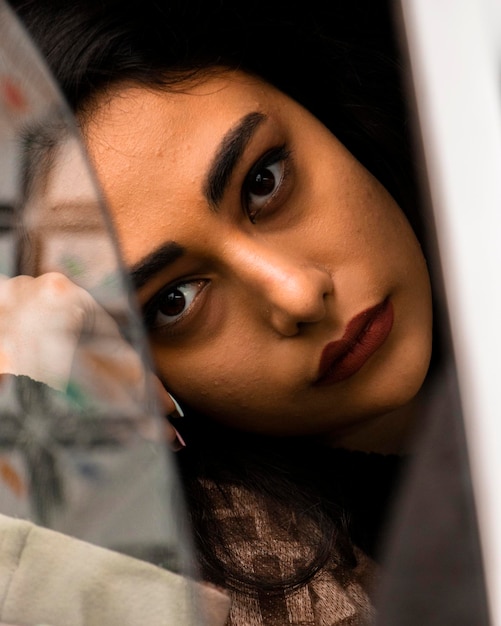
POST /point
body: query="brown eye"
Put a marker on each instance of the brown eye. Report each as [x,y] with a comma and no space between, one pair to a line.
[261,185]
[172,303]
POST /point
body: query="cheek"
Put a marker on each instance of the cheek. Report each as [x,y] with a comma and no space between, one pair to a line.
[240,378]
[349,213]
[213,378]
[381,239]
[377,223]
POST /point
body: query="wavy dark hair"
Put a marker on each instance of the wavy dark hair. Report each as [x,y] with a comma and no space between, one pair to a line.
[340,60]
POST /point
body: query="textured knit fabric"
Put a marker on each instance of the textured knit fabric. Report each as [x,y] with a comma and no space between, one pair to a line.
[335,596]
[324,601]
[263,538]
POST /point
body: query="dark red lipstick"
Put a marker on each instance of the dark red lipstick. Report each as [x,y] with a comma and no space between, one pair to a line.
[364,334]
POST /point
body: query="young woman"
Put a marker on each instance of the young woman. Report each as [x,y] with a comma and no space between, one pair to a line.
[256,169]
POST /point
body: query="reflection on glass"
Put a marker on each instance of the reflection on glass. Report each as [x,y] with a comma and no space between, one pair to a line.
[82,438]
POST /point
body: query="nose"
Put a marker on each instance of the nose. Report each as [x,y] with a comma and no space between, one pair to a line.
[289,291]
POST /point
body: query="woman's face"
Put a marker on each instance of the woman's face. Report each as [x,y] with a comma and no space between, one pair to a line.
[283,289]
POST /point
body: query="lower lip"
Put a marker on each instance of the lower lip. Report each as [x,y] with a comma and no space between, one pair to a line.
[369,340]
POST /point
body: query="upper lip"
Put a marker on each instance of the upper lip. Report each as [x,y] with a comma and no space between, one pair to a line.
[335,350]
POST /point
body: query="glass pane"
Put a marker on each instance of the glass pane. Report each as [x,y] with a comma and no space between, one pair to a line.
[82,434]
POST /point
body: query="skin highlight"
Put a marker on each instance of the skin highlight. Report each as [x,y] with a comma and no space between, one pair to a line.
[269,281]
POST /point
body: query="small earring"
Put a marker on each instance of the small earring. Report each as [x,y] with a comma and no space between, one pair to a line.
[178,412]
[178,443]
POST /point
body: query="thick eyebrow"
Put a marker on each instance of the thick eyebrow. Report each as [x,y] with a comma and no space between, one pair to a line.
[153,263]
[230,151]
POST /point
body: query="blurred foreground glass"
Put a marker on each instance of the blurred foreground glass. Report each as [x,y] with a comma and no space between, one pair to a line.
[443,564]
[82,437]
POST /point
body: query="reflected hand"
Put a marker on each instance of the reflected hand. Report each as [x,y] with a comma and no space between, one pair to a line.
[48,323]
[54,332]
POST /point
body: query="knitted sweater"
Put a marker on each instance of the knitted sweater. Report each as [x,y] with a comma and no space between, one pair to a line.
[335,595]
[259,538]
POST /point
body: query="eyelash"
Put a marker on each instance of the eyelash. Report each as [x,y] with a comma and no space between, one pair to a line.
[151,310]
[277,156]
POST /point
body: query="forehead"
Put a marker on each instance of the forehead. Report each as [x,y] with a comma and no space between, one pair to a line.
[129,116]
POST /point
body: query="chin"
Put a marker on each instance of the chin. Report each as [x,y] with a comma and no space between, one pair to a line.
[399,396]
[389,392]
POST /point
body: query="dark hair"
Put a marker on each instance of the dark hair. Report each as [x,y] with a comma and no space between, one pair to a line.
[340,60]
